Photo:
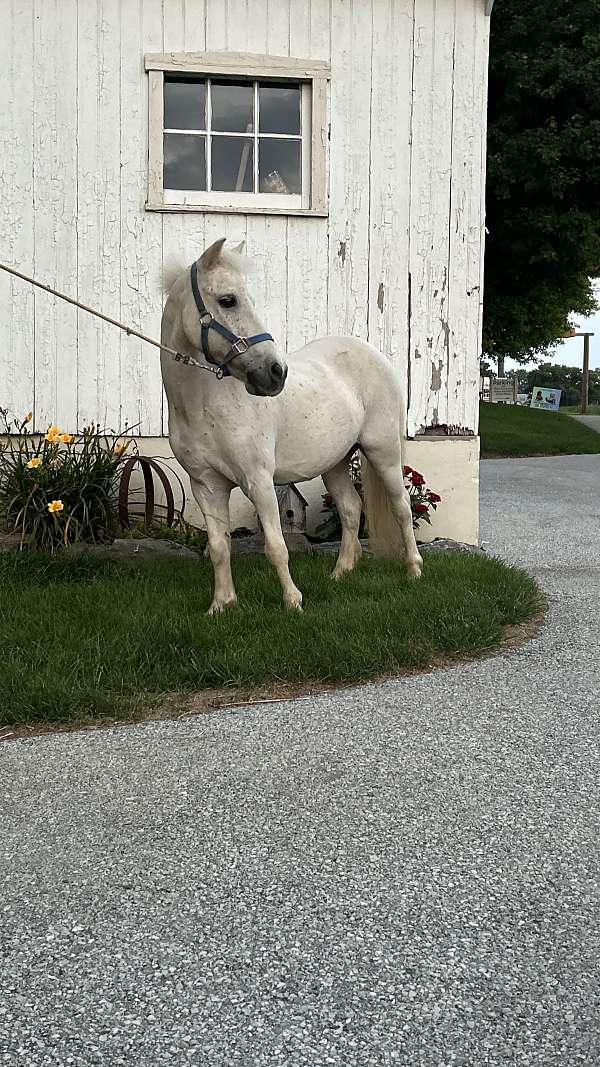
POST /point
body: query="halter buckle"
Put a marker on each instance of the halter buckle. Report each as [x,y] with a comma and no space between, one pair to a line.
[206,317]
[240,346]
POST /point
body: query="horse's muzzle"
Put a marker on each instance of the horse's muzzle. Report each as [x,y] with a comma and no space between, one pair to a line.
[267,381]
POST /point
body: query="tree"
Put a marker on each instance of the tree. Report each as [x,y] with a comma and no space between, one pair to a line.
[568,379]
[543,185]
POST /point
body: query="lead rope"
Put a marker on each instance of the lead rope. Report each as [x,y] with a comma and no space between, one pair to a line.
[179,357]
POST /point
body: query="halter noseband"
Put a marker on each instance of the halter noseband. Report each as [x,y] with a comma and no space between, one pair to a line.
[239,345]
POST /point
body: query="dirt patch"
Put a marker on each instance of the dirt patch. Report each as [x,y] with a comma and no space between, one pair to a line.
[176,706]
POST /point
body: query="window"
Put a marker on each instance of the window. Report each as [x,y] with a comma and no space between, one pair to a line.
[237,133]
[232,137]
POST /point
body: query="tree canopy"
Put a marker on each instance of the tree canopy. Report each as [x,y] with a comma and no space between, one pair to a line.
[557,376]
[543,173]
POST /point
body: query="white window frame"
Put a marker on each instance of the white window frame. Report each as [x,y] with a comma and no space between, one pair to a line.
[312,75]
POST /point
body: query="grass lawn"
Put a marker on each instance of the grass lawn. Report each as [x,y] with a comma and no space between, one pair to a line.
[88,638]
[575,409]
[517,431]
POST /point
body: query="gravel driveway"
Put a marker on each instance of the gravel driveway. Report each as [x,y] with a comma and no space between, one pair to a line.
[405,873]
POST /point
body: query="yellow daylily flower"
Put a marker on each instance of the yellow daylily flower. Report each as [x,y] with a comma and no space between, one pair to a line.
[56,505]
[65,438]
[34,463]
[28,416]
[119,449]
[52,434]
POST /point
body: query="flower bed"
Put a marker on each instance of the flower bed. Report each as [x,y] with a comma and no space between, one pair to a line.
[58,488]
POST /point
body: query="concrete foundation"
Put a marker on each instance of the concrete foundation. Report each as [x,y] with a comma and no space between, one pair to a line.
[450,466]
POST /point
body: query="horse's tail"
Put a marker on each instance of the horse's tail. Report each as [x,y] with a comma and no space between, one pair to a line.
[383,527]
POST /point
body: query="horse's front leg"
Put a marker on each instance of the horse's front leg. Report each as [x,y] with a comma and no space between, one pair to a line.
[213,499]
[261,492]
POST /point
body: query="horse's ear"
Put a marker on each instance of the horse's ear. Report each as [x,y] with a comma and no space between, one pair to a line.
[210,258]
[239,249]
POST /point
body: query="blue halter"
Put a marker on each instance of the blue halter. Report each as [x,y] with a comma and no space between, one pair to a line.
[239,345]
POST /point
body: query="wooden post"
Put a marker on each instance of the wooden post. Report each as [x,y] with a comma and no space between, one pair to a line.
[243,167]
[585,378]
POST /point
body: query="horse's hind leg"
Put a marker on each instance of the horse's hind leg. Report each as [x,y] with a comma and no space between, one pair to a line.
[213,500]
[339,483]
[385,456]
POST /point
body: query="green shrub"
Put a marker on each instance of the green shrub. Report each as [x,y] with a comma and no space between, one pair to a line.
[58,488]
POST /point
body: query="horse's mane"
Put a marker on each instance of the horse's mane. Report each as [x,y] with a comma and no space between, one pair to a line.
[171,270]
[173,267]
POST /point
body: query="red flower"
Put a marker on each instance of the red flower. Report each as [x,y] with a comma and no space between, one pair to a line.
[328,500]
[417,479]
[407,471]
[434,497]
[421,508]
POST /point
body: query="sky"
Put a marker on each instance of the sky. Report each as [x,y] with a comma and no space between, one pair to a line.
[570,352]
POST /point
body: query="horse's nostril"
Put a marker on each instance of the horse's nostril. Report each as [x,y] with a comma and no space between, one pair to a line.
[277,370]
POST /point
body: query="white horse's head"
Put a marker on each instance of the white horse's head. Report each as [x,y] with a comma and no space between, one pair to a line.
[216,283]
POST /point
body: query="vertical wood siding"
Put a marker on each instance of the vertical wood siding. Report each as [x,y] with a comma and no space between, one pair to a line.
[99,379]
[398,261]
[17,301]
[389,177]
[55,205]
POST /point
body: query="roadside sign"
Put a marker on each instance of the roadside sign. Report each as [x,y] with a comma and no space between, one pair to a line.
[503,390]
[546,399]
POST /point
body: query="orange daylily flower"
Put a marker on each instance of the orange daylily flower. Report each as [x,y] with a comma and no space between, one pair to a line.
[34,463]
[56,505]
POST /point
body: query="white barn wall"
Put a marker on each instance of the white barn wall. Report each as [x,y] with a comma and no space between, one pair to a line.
[99,137]
[398,260]
[17,301]
[55,203]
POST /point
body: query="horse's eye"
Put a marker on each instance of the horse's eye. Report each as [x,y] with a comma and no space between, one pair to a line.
[228,301]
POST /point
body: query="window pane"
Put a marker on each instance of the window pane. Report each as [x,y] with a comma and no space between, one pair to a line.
[233,164]
[184,161]
[232,107]
[279,108]
[279,166]
[185,105]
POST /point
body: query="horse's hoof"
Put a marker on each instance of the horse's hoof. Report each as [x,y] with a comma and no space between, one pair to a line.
[337,576]
[294,604]
[218,606]
[414,570]
[341,569]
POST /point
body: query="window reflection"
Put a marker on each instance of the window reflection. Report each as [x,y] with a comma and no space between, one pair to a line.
[184,161]
[232,107]
[279,166]
[279,109]
[185,104]
[233,164]
[241,157]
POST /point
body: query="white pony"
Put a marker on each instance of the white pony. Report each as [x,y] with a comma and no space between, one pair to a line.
[257,422]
